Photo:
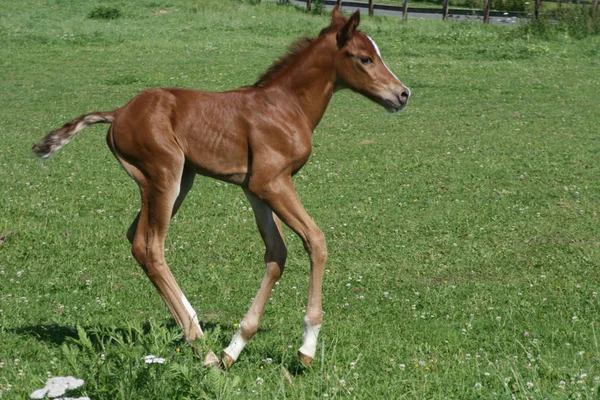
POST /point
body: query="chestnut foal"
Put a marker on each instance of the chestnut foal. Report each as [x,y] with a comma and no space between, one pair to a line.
[256,137]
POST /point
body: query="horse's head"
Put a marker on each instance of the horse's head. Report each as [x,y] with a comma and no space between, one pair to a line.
[359,65]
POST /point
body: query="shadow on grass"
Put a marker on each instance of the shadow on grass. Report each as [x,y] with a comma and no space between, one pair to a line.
[57,335]
[47,333]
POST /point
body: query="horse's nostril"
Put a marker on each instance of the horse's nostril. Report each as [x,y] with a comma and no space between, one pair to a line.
[403,97]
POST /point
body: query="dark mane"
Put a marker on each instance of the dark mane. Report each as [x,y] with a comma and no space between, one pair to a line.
[284,60]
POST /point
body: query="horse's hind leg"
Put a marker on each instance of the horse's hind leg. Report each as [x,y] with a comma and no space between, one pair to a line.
[275,256]
[162,192]
[187,181]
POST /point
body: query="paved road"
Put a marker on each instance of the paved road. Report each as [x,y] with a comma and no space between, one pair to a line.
[505,19]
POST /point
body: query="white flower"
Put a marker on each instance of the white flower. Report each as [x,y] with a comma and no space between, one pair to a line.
[152,359]
[562,384]
[260,381]
[478,386]
[529,385]
[402,367]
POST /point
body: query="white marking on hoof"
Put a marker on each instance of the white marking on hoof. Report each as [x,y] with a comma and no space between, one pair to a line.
[309,340]
[236,346]
[192,313]
[211,360]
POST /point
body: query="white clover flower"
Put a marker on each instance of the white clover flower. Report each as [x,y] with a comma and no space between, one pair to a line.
[562,384]
[478,386]
[529,385]
[260,381]
[152,359]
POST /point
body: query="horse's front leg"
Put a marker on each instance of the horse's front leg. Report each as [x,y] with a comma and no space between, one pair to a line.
[280,195]
[275,255]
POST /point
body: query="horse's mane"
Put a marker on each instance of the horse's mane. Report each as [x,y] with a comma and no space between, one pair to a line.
[284,60]
[295,48]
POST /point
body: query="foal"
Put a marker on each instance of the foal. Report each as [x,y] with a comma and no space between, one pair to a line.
[256,137]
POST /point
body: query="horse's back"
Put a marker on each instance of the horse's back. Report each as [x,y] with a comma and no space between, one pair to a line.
[209,129]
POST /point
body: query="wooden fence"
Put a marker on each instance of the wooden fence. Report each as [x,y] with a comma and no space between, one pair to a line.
[370,4]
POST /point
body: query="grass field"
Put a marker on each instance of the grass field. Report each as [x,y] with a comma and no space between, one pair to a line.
[463,233]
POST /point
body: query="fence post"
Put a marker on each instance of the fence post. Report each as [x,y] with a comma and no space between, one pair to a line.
[405,10]
[371,5]
[308,4]
[486,11]
[595,7]
[538,7]
[339,4]
[445,10]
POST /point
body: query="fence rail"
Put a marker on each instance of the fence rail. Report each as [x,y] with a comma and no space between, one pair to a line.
[486,13]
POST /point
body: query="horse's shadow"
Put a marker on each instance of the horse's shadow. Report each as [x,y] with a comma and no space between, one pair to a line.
[57,334]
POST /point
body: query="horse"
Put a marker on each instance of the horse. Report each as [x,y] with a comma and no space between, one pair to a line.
[256,137]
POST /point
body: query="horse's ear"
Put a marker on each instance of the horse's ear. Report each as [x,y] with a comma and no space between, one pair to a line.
[347,31]
[337,19]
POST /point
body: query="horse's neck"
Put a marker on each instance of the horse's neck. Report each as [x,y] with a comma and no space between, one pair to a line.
[310,82]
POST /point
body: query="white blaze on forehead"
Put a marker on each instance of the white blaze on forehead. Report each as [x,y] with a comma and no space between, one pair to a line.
[381,58]
[191,311]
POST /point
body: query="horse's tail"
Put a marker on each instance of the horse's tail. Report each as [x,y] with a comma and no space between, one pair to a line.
[56,139]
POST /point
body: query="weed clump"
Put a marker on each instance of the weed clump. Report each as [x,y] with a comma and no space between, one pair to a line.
[573,22]
[105,12]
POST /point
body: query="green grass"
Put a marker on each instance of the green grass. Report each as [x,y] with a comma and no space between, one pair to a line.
[463,232]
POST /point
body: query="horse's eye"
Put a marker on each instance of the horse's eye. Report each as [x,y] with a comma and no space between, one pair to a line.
[366,60]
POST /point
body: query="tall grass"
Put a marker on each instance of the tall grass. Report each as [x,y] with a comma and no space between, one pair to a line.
[572,22]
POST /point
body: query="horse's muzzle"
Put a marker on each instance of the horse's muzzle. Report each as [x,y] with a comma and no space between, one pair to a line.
[399,103]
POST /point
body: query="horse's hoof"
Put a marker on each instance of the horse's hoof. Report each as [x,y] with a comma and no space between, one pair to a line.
[226,360]
[304,360]
[211,360]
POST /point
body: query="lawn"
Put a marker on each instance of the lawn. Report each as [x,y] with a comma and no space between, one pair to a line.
[463,232]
